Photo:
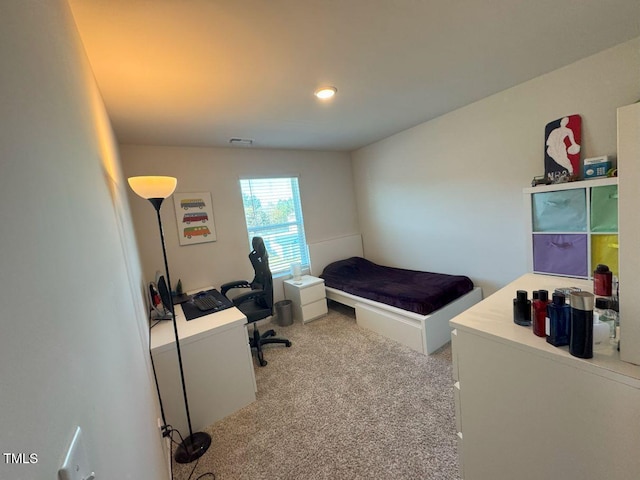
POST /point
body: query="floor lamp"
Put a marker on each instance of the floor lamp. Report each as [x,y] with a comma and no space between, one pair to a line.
[156,189]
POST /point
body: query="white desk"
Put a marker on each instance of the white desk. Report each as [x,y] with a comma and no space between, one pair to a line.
[218,368]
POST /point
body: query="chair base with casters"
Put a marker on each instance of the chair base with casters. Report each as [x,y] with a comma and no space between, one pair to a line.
[256,341]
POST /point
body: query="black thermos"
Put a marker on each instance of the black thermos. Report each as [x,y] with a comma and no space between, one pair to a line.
[581,341]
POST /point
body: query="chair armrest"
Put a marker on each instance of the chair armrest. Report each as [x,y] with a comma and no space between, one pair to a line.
[237,300]
[225,287]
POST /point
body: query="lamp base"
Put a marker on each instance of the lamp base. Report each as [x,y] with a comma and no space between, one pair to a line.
[192,448]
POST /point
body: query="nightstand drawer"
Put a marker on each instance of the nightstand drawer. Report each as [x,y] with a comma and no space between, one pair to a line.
[314,310]
[312,294]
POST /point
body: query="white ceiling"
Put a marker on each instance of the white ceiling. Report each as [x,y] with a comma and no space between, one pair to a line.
[198,72]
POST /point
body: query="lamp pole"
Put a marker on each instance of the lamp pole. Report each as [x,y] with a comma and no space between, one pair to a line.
[196,444]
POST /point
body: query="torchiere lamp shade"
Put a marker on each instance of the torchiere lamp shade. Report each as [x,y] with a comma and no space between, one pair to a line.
[153,186]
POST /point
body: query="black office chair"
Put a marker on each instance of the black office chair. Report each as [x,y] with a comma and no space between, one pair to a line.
[258,303]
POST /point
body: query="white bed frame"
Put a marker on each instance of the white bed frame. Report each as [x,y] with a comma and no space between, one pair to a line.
[423,333]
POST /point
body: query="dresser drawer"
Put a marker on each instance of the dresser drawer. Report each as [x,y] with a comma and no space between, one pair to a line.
[454,354]
[456,400]
[460,454]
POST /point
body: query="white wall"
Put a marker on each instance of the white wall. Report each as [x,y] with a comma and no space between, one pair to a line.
[446,195]
[73,342]
[326,190]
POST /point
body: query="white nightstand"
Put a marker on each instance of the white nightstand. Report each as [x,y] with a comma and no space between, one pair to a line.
[308,297]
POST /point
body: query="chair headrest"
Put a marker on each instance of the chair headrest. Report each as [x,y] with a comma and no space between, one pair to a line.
[258,246]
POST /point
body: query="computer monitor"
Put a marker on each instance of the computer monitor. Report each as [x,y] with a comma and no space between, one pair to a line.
[165,295]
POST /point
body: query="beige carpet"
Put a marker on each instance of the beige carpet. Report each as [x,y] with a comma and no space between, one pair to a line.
[341,403]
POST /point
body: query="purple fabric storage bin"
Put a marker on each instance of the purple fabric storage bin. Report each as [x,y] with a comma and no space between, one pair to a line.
[560,254]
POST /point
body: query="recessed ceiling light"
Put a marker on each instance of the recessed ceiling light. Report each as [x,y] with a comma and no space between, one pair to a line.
[324,93]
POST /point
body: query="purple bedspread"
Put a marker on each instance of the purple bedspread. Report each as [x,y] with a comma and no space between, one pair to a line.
[419,292]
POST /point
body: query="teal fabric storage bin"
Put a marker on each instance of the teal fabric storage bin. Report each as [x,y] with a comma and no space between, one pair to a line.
[604,209]
[560,211]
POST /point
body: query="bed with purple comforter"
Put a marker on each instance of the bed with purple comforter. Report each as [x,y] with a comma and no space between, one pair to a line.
[411,290]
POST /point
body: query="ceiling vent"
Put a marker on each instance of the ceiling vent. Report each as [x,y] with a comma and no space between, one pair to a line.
[243,142]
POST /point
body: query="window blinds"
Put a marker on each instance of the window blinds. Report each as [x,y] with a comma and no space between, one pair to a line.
[273,211]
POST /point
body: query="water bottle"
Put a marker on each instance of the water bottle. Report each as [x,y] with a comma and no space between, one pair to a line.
[581,338]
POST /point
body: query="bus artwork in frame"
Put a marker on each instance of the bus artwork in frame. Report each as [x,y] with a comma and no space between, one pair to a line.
[194,217]
[196,231]
[188,203]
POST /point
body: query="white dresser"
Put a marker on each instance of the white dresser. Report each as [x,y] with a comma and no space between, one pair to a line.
[308,297]
[530,411]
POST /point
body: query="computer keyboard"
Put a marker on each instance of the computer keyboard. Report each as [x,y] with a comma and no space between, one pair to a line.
[206,302]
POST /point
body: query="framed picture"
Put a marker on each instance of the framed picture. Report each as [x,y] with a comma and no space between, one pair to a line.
[194,217]
[562,139]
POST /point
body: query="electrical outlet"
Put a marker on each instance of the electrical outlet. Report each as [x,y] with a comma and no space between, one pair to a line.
[164,430]
[164,433]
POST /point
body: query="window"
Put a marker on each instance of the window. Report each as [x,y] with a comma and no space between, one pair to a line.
[273,211]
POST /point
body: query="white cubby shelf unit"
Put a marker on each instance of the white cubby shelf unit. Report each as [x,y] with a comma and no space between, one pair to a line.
[572,227]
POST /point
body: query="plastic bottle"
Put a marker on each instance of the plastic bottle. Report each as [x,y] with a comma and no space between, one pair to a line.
[602,281]
[603,313]
[600,336]
[581,338]
[615,292]
[558,321]
[602,324]
[540,313]
[522,309]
